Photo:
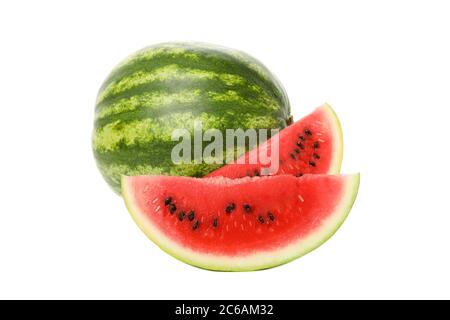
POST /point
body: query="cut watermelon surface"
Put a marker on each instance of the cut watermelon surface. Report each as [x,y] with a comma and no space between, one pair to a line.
[239,224]
[313,144]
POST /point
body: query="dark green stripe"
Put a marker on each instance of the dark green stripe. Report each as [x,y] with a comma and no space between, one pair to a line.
[240,120]
[201,105]
[155,153]
[211,61]
[176,85]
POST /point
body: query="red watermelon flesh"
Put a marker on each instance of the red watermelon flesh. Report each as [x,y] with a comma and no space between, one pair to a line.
[311,145]
[239,224]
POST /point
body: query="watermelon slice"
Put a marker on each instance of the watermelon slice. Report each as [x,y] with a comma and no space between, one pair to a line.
[239,224]
[313,144]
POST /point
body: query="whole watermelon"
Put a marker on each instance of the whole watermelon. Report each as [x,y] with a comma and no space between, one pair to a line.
[168,86]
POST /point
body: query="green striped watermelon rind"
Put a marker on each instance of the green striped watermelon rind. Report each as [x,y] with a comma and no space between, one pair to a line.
[148,95]
[258,261]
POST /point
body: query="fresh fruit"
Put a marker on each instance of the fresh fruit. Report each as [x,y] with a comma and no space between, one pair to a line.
[239,224]
[168,86]
[311,145]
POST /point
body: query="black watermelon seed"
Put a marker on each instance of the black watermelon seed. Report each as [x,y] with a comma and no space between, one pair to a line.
[293,156]
[247,207]
[308,132]
[312,163]
[215,223]
[191,215]
[195,225]
[302,138]
[230,207]
[181,215]
[300,145]
[271,216]
[260,219]
[299,174]
[172,208]
[315,155]
[168,201]
[256,173]
[316,145]
[296,151]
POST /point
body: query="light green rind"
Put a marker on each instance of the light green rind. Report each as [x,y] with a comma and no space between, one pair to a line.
[336,162]
[259,260]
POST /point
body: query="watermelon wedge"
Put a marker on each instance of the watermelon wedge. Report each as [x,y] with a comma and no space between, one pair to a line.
[239,224]
[313,144]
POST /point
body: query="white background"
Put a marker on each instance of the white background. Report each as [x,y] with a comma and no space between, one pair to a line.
[383,65]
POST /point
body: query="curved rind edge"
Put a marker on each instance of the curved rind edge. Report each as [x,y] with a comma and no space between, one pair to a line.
[336,163]
[258,261]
